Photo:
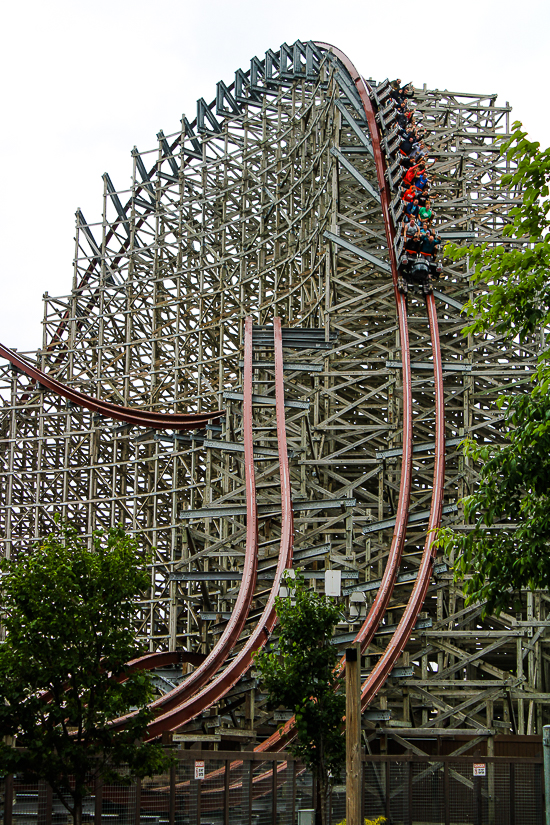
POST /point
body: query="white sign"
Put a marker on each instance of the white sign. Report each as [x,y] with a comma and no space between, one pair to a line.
[333,582]
[199,768]
[479,769]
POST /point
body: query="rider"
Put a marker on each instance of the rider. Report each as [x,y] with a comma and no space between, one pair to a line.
[430,246]
[410,194]
[407,144]
[413,173]
[421,244]
[410,230]
[422,181]
[426,211]
[412,210]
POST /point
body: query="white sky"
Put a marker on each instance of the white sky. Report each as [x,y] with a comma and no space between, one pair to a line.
[83,82]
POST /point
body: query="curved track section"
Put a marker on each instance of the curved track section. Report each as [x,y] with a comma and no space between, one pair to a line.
[406,625]
[385,590]
[162,659]
[383,668]
[225,680]
[139,418]
[217,656]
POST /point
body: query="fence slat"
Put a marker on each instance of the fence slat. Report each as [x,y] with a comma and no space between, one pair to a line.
[8,800]
[98,806]
[512,794]
[447,793]
[250,789]
[172,809]
[226,792]
[137,810]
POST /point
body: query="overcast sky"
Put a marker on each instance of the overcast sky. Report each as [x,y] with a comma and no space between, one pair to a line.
[85,82]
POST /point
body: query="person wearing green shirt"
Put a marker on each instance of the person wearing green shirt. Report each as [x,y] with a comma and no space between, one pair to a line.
[425,212]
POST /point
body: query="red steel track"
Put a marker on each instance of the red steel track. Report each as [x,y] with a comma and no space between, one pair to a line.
[381,601]
[224,681]
[369,627]
[376,679]
[180,704]
[230,635]
[383,667]
[137,417]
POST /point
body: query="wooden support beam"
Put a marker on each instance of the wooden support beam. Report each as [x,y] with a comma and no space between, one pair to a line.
[353,735]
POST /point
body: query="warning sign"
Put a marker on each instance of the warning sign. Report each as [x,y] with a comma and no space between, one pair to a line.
[199,768]
[479,769]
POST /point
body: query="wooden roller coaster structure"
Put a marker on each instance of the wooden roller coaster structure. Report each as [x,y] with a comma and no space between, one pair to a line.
[278,403]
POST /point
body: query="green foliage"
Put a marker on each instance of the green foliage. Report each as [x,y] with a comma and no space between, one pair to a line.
[300,675]
[513,483]
[69,615]
[380,820]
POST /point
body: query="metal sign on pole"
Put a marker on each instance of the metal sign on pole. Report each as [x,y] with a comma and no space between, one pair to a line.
[353,735]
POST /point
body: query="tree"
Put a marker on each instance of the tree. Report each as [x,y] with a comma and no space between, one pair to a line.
[300,675]
[69,613]
[513,489]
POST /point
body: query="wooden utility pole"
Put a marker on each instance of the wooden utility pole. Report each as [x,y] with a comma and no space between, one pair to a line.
[353,735]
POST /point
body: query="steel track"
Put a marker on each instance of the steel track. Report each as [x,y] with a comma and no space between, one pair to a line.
[232,631]
[224,681]
[377,678]
[383,668]
[131,415]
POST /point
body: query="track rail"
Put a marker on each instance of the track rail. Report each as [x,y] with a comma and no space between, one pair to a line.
[163,658]
[233,629]
[383,667]
[383,596]
[224,681]
[137,417]
[369,627]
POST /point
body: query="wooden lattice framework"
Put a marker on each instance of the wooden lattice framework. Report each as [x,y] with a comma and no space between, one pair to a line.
[260,207]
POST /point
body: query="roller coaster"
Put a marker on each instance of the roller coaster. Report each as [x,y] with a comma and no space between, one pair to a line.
[236,378]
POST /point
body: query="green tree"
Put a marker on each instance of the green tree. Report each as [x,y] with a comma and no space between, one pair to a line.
[300,675]
[69,612]
[513,489]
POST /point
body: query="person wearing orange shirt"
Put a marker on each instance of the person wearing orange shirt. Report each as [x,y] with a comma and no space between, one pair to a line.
[410,194]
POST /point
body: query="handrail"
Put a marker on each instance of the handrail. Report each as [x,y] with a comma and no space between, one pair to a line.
[131,415]
[383,667]
[222,683]
[239,615]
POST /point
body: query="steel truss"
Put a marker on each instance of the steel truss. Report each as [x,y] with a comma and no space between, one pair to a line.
[269,205]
